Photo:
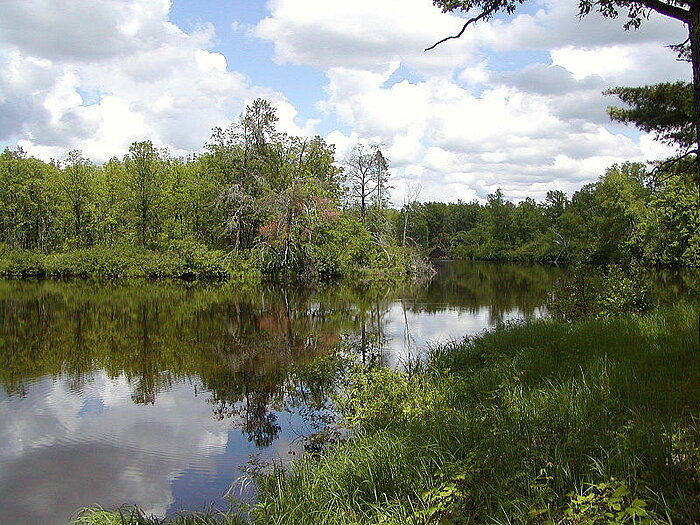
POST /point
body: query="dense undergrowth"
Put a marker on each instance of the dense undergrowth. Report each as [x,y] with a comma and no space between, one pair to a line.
[191,260]
[596,421]
[180,260]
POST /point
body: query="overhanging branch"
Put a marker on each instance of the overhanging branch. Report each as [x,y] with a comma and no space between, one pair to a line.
[668,164]
[668,9]
[481,16]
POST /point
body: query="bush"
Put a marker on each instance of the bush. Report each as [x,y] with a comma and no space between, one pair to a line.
[184,259]
[595,292]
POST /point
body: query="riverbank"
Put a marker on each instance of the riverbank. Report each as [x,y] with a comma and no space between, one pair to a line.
[538,422]
[190,261]
[180,261]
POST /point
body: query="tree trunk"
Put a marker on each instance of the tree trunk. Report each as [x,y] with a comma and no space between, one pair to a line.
[694,35]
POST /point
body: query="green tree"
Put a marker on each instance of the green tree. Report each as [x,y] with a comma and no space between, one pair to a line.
[77,188]
[247,162]
[669,230]
[602,222]
[28,201]
[619,199]
[663,109]
[111,202]
[145,167]
[500,213]
[555,205]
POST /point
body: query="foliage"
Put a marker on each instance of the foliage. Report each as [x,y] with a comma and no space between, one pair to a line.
[341,245]
[379,398]
[254,191]
[621,218]
[668,233]
[664,109]
[183,259]
[601,292]
[509,426]
[609,503]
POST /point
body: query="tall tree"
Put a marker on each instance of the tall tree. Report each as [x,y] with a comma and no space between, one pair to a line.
[77,183]
[367,178]
[684,11]
[144,166]
[111,202]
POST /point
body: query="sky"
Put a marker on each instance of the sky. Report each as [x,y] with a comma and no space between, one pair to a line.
[515,104]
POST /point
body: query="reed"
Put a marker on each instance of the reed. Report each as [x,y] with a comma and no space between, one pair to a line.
[538,421]
[129,515]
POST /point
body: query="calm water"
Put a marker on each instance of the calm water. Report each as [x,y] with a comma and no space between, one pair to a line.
[156,394]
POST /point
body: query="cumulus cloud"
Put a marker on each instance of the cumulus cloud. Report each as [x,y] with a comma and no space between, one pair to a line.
[363,35]
[463,126]
[546,79]
[98,75]
[81,29]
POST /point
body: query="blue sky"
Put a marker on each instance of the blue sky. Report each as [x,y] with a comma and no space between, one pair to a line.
[515,104]
[302,85]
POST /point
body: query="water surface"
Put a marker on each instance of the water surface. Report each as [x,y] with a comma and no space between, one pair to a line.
[156,393]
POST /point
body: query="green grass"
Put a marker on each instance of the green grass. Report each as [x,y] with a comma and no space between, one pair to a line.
[180,260]
[544,422]
[513,427]
[134,516]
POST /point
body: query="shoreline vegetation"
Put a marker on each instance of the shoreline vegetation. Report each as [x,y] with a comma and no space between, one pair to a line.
[189,261]
[591,418]
[257,202]
[545,421]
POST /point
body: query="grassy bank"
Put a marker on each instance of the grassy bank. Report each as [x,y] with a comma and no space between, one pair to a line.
[190,260]
[180,260]
[510,426]
[592,422]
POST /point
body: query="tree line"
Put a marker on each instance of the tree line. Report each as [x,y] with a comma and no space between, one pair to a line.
[284,205]
[279,199]
[629,214]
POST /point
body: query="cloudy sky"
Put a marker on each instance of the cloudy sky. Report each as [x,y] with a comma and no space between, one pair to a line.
[516,103]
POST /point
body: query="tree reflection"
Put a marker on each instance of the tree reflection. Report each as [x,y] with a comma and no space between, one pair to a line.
[240,346]
[245,347]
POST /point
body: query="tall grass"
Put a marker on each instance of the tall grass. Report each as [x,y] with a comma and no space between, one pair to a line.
[541,422]
[513,427]
[134,516]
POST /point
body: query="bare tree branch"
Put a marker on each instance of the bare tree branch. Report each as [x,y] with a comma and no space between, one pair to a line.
[469,22]
[668,164]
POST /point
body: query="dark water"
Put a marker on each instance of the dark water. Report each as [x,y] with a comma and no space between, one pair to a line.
[156,394]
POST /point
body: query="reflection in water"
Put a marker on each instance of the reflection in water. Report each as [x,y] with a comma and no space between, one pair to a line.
[155,393]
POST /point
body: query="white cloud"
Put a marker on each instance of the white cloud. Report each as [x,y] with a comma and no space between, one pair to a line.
[364,34]
[81,30]
[122,72]
[462,126]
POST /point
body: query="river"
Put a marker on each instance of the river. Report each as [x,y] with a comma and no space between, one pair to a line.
[164,394]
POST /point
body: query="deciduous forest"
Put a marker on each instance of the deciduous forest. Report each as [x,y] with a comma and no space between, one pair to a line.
[262,202]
